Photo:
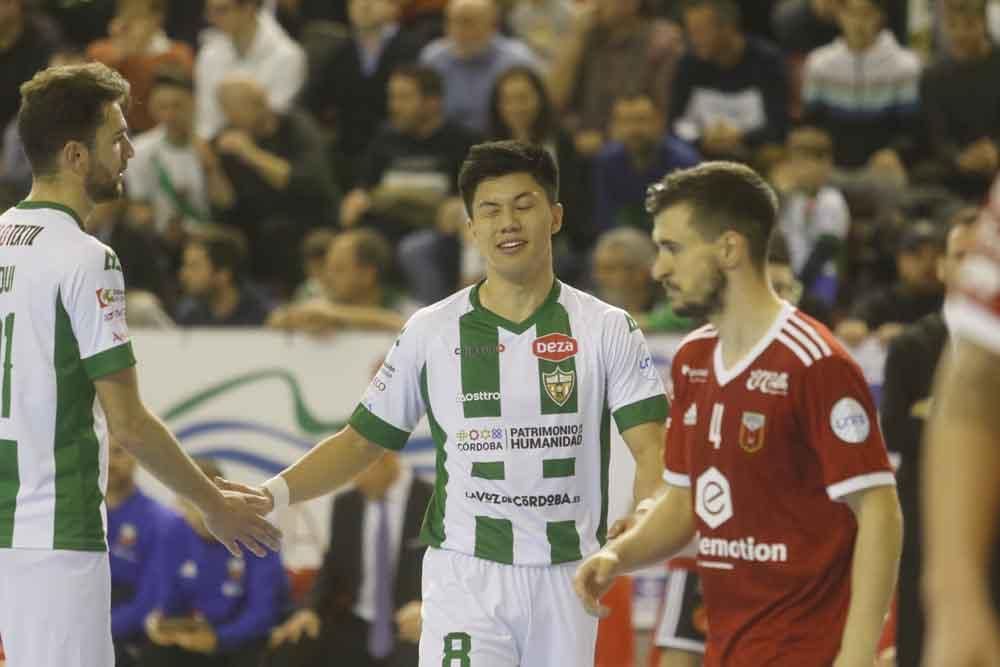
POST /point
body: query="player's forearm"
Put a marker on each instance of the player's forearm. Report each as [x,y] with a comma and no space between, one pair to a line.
[275,170]
[661,532]
[329,465]
[874,570]
[154,446]
[646,442]
[962,473]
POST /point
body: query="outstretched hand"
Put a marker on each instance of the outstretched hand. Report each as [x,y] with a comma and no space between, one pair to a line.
[593,579]
[240,519]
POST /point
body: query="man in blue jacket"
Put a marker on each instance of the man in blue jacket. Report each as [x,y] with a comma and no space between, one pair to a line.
[212,610]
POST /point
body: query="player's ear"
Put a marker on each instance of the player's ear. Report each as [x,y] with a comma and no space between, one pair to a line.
[75,155]
[557,218]
[732,249]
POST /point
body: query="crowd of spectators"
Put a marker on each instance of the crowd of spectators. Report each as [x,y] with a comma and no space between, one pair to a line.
[267,129]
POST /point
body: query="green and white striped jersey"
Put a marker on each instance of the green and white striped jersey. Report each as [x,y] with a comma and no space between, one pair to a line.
[62,311]
[521,418]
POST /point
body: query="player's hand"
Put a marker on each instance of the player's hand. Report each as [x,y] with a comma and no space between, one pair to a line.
[846,658]
[962,634]
[202,640]
[303,622]
[239,519]
[593,579]
[354,205]
[236,142]
[409,622]
[155,630]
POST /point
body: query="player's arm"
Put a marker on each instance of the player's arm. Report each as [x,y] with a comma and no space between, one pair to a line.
[962,477]
[233,518]
[659,533]
[877,549]
[645,441]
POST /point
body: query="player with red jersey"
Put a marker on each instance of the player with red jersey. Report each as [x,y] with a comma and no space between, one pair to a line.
[774,456]
[962,467]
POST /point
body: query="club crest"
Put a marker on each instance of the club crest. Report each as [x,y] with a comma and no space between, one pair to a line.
[753,428]
[559,385]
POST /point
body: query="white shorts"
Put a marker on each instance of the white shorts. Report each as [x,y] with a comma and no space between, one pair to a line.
[680,627]
[485,614]
[55,608]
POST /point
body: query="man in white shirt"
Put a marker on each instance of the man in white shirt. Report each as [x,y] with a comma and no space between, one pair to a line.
[250,42]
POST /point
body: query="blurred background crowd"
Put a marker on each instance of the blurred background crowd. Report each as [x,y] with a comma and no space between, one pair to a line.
[296,160]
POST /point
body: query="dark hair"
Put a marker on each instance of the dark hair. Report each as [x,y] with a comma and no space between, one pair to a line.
[777,252]
[428,81]
[226,248]
[63,104]
[172,76]
[727,10]
[371,249]
[724,196]
[500,158]
[545,123]
[976,8]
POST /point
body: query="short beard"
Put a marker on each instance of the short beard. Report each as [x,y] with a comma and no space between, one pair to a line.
[101,186]
[710,305]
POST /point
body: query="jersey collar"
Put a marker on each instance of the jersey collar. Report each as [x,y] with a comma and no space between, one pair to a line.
[53,205]
[725,375]
[515,327]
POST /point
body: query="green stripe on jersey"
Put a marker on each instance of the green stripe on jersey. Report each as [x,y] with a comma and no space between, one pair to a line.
[495,539]
[558,382]
[488,470]
[479,356]
[602,526]
[110,361]
[432,532]
[652,409]
[9,484]
[376,429]
[78,523]
[558,468]
[564,539]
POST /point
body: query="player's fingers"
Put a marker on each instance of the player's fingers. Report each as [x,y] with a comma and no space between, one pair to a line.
[277,638]
[232,546]
[617,528]
[252,546]
[265,533]
[312,630]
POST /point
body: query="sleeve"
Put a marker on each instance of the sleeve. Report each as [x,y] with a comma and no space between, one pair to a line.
[93,297]
[675,455]
[394,401]
[838,415]
[208,116]
[900,428]
[129,619]
[266,592]
[635,389]
[832,214]
[974,310]
[283,89]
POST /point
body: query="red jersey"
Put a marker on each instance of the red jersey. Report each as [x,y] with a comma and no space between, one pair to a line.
[974,311]
[769,448]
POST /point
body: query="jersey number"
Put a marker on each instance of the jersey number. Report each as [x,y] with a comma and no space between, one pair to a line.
[7,327]
[456,650]
[715,427]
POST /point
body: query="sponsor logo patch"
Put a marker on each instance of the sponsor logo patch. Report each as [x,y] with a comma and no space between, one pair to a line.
[713,498]
[479,350]
[476,396]
[554,347]
[768,382]
[694,375]
[559,385]
[648,368]
[753,427]
[849,421]
[107,296]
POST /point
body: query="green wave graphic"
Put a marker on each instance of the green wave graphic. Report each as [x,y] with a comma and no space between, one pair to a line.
[306,421]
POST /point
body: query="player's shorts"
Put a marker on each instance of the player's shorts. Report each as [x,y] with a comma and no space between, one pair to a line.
[683,623]
[55,608]
[485,614]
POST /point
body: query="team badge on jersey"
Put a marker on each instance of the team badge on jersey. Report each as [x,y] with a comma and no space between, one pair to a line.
[753,428]
[127,535]
[559,385]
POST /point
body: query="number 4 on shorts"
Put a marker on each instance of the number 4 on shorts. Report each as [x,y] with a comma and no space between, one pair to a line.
[456,650]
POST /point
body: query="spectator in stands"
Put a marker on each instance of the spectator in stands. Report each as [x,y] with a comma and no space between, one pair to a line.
[910,368]
[520,109]
[213,609]
[730,95]
[314,248]
[612,51]
[470,58]
[138,47]
[641,154]
[357,293]
[544,25]
[349,92]
[27,41]
[621,267]
[212,280]
[275,182]
[136,524]
[963,132]
[411,167]
[365,605]
[814,218]
[165,180]
[801,26]
[917,292]
[248,42]
[862,90]
[787,285]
